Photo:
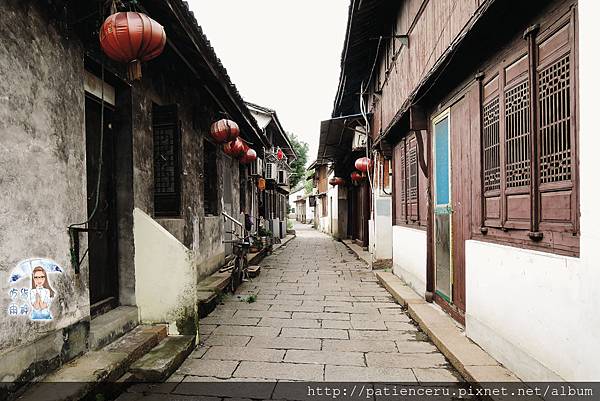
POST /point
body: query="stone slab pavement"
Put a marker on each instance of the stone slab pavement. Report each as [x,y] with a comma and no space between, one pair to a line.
[319,315]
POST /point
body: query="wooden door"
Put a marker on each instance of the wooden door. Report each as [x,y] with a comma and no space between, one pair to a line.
[102,237]
[465,123]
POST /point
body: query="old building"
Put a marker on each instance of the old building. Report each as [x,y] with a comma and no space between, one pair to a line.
[115,188]
[472,111]
[275,165]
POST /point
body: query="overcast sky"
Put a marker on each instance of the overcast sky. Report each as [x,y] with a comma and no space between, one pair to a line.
[282,54]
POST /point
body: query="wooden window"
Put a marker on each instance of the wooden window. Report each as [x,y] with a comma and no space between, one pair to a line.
[516,107]
[555,122]
[211,198]
[409,186]
[412,180]
[167,160]
[324,206]
[491,145]
[386,176]
[528,170]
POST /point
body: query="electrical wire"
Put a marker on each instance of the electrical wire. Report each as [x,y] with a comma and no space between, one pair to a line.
[368,129]
[72,227]
[100,156]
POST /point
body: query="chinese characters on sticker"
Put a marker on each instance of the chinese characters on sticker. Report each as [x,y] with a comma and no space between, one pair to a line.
[31,292]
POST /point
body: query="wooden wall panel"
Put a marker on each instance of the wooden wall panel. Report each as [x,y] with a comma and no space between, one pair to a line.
[433,31]
[461,115]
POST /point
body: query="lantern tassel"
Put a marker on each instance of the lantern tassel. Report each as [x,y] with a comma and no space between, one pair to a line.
[134,70]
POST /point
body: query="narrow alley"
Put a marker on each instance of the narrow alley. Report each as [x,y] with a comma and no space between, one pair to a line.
[319,315]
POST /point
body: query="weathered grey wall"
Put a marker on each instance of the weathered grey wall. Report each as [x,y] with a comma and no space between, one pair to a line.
[168,82]
[42,177]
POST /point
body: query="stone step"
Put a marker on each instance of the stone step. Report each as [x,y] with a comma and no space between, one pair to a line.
[253,271]
[106,328]
[209,290]
[216,282]
[158,364]
[207,302]
[89,371]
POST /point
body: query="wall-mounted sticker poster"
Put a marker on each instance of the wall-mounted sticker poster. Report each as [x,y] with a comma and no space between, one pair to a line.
[31,290]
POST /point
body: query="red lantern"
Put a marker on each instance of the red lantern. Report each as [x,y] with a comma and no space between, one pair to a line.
[224,130]
[363,164]
[279,154]
[227,148]
[238,147]
[261,183]
[250,155]
[336,181]
[130,37]
[355,176]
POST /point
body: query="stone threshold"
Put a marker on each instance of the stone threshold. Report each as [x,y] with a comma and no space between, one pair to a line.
[358,251]
[473,363]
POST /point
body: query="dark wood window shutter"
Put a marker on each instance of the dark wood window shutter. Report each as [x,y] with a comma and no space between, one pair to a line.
[399,183]
[517,144]
[167,160]
[528,142]
[490,143]
[210,180]
[412,180]
[557,131]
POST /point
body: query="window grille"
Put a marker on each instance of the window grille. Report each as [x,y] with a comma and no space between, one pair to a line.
[210,175]
[529,193]
[555,122]
[491,145]
[412,175]
[167,167]
[516,100]
[407,187]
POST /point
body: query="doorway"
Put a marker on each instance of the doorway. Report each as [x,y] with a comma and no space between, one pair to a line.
[101,203]
[442,224]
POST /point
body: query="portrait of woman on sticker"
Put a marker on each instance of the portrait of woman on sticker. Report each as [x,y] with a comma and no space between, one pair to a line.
[40,296]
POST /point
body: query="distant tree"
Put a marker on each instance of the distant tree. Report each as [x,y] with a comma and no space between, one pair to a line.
[299,165]
[308,186]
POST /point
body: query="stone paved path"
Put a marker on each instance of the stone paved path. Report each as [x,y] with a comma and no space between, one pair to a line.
[319,315]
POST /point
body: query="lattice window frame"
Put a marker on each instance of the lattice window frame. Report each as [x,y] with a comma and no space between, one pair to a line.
[555,147]
[551,188]
[517,135]
[491,145]
[166,130]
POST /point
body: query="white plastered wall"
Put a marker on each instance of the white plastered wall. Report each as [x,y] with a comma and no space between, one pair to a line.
[410,256]
[165,277]
[539,313]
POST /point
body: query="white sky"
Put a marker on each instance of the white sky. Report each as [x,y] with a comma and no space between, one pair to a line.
[282,54]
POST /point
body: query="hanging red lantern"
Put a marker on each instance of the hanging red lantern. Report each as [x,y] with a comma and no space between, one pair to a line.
[336,181]
[250,155]
[355,176]
[279,154]
[261,183]
[131,37]
[363,164]
[227,149]
[238,147]
[224,130]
